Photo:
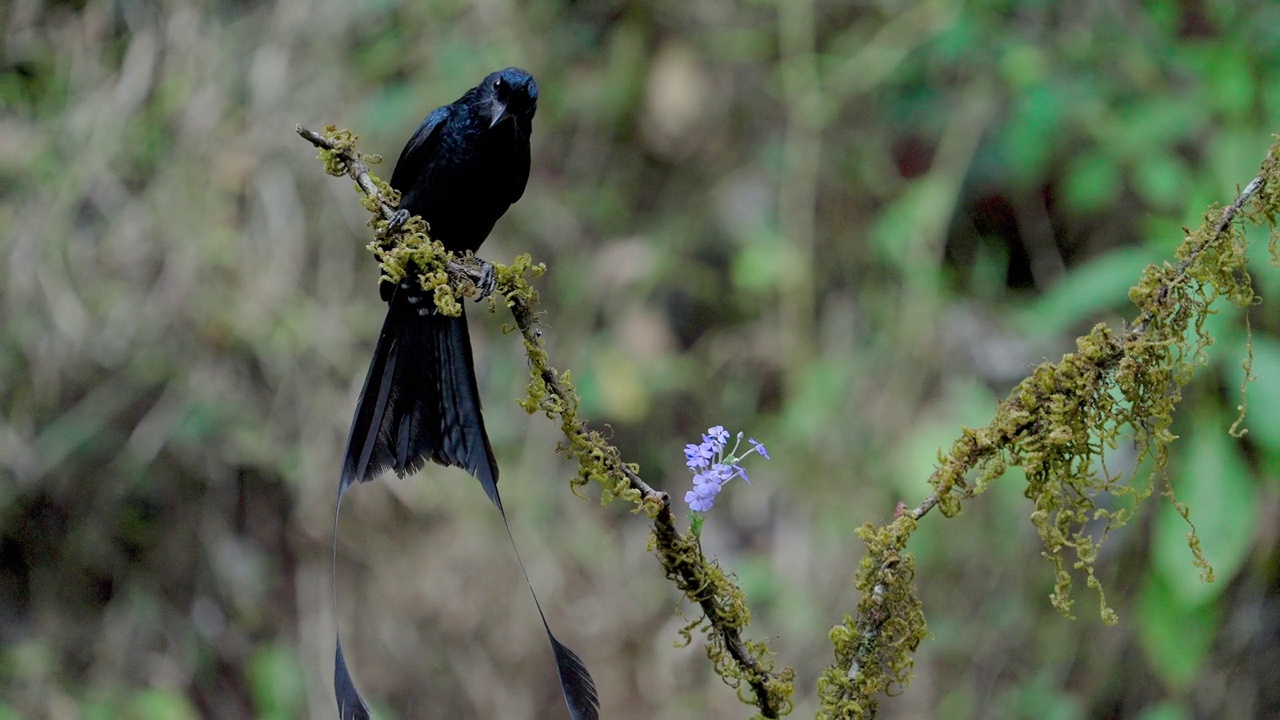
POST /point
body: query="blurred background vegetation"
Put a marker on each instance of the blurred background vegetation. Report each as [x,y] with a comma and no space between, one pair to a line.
[846,228]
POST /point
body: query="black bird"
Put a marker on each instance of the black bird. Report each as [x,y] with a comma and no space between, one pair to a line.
[467,163]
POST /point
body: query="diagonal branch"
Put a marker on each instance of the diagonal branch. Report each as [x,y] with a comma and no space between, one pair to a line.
[699,579]
[1139,326]
[1053,425]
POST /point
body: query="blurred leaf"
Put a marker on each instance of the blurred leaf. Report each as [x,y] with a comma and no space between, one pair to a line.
[1169,710]
[393,116]
[924,205]
[8,713]
[740,44]
[619,390]
[1229,79]
[1162,234]
[1212,479]
[1233,156]
[958,702]
[1271,95]
[1098,286]
[896,224]
[1043,698]
[990,269]
[159,705]
[275,678]
[758,579]
[1162,180]
[382,57]
[1266,277]
[1092,182]
[1165,14]
[757,266]
[1024,64]
[97,710]
[957,40]
[823,388]
[1176,639]
[1152,125]
[1027,139]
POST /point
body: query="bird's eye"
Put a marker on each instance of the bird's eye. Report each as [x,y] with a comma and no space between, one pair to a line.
[497,84]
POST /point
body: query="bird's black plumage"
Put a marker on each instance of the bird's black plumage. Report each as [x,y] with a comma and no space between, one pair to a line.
[464,167]
[466,164]
[469,161]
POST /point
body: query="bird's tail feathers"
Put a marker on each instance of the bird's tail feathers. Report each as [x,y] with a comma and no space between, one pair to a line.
[420,402]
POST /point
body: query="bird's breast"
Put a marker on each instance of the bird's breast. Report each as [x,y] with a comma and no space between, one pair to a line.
[469,185]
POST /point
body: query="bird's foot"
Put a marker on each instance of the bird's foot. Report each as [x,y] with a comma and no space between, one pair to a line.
[487,281]
[398,218]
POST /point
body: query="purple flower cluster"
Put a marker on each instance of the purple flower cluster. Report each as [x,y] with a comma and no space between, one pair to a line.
[712,466]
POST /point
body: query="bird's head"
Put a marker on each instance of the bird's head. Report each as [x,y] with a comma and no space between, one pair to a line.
[512,95]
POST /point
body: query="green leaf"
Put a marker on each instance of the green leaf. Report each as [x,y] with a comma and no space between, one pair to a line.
[1229,79]
[159,705]
[1098,286]
[1149,126]
[1211,478]
[275,678]
[1233,155]
[758,266]
[1024,64]
[94,709]
[1176,639]
[923,205]
[1169,710]
[1162,179]
[1092,182]
[1040,697]
[618,385]
[1028,139]
[822,389]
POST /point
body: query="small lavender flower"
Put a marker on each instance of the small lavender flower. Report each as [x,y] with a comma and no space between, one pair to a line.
[718,435]
[713,466]
[697,456]
[696,502]
[705,488]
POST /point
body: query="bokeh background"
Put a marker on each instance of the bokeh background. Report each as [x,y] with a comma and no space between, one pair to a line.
[846,228]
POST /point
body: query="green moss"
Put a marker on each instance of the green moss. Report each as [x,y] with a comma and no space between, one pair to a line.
[344,140]
[873,650]
[745,666]
[409,252]
[1058,425]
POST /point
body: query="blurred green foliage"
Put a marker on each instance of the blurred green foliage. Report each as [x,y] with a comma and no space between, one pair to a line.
[848,227]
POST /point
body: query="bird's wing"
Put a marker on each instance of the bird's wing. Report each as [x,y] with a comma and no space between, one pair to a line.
[420,149]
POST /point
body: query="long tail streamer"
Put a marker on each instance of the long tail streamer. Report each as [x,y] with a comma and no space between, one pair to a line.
[421,377]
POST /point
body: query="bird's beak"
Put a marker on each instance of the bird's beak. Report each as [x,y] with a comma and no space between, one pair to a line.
[500,113]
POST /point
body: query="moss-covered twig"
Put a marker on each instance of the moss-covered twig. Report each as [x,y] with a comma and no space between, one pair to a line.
[1057,425]
[724,611]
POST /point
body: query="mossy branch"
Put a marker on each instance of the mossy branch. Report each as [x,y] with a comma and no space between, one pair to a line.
[1057,425]
[744,665]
